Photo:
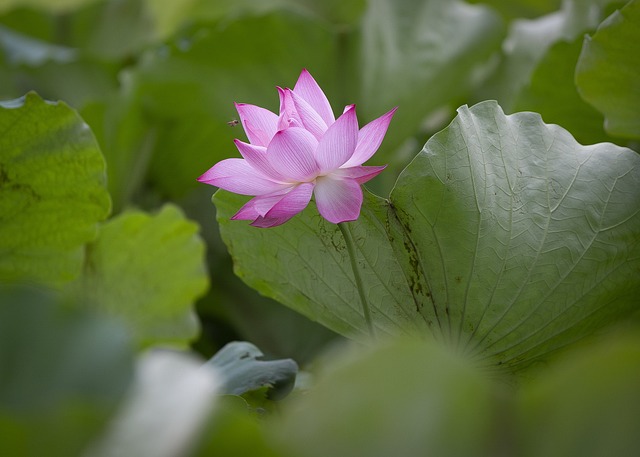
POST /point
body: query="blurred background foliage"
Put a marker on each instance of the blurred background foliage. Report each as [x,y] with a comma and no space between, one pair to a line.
[156,80]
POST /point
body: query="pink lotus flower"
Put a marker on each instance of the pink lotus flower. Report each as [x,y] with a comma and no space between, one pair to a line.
[301,152]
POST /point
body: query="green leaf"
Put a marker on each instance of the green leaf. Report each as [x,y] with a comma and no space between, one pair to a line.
[237,363]
[525,45]
[525,239]
[408,398]
[586,404]
[528,42]
[55,72]
[335,12]
[608,71]
[148,270]
[118,29]
[234,430]
[305,265]
[62,374]
[52,190]
[552,93]
[127,139]
[443,42]
[169,15]
[504,236]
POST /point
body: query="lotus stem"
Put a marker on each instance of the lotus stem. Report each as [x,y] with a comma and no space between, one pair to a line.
[348,239]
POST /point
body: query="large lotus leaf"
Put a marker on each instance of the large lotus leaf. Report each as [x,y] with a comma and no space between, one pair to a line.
[62,374]
[586,404]
[608,71]
[148,270]
[504,236]
[404,399]
[305,265]
[52,190]
[525,239]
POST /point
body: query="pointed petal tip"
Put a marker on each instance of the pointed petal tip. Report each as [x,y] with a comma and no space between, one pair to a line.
[205,177]
[239,217]
[304,73]
[389,114]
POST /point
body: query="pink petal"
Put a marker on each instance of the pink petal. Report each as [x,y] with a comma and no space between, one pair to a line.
[361,174]
[259,124]
[369,139]
[248,212]
[288,113]
[339,142]
[311,120]
[236,175]
[256,156]
[268,222]
[276,209]
[260,205]
[291,152]
[307,88]
[338,200]
[292,202]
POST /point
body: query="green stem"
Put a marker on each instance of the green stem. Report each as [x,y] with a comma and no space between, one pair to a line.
[348,239]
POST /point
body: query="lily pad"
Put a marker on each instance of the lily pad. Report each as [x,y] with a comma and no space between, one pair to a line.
[148,270]
[525,240]
[52,190]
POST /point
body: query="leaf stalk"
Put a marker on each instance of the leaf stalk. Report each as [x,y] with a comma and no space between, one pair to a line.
[348,239]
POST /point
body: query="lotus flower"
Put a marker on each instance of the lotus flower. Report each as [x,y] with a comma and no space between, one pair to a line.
[301,152]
